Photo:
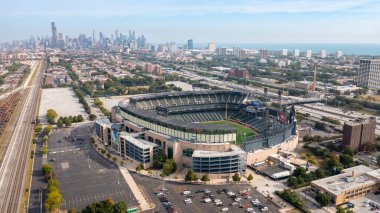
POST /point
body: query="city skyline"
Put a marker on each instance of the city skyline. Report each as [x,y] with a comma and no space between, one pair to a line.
[267,21]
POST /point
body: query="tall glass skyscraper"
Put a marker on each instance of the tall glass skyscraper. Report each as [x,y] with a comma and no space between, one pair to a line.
[54,39]
[190,44]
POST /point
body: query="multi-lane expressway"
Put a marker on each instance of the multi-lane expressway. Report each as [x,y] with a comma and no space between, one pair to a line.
[13,166]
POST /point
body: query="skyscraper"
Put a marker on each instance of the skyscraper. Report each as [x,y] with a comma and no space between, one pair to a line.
[190,44]
[54,38]
[296,53]
[308,53]
[284,52]
[211,46]
[322,54]
[339,54]
[263,53]
[369,73]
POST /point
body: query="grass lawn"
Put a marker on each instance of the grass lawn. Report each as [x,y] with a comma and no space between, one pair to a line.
[240,130]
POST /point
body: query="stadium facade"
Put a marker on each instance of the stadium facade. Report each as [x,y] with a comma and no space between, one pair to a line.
[180,125]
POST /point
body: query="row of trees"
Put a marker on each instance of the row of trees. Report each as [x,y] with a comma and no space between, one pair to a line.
[293,198]
[99,104]
[161,161]
[81,98]
[54,197]
[106,206]
[67,121]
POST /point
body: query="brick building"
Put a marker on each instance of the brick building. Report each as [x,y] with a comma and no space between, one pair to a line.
[357,133]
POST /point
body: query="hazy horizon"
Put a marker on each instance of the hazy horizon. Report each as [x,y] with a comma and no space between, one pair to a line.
[222,21]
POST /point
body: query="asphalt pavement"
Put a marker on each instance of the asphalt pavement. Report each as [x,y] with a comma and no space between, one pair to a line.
[176,197]
[85,176]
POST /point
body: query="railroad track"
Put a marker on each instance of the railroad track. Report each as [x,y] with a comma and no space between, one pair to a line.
[13,167]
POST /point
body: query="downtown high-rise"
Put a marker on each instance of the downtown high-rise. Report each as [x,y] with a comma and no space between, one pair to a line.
[54,38]
[369,73]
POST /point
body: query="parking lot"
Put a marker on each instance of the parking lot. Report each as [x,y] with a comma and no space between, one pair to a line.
[84,174]
[176,198]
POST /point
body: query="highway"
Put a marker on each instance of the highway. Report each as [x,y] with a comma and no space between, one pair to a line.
[13,167]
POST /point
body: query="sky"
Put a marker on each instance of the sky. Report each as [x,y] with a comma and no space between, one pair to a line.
[223,21]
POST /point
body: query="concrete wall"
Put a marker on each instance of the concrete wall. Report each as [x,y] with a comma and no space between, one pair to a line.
[262,154]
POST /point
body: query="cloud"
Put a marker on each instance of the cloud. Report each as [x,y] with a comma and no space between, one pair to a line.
[179,7]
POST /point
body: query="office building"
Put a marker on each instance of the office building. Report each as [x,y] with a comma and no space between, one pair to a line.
[322,54]
[157,69]
[263,54]
[221,51]
[352,183]
[308,53]
[339,54]
[54,38]
[239,73]
[211,46]
[148,68]
[284,52]
[190,44]
[138,149]
[106,131]
[296,53]
[357,133]
[369,73]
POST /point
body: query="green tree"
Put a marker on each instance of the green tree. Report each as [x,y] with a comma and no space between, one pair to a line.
[51,115]
[45,139]
[106,206]
[340,209]
[191,176]
[53,183]
[47,171]
[292,181]
[139,167]
[346,160]
[73,210]
[80,118]
[59,123]
[92,117]
[34,140]
[250,177]
[67,122]
[114,159]
[53,200]
[159,160]
[169,167]
[348,150]
[378,160]
[205,178]
[38,128]
[236,177]
[323,199]
[320,126]
[320,173]
[299,172]
[44,150]
[48,129]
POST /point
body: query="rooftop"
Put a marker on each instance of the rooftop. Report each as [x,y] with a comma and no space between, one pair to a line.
[143,144]
[233,151]
[350,178]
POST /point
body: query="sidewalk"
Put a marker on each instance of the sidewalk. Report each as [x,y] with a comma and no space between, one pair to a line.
[141,199]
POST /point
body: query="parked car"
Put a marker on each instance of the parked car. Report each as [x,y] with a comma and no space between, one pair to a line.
[186,192]
[207,200]
[224,209]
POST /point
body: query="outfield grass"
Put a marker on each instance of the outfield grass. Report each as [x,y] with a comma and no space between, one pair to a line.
[240,130]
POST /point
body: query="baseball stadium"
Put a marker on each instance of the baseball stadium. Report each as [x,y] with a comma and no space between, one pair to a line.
[215,132]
